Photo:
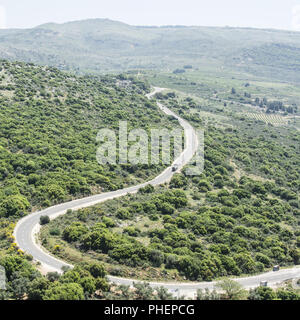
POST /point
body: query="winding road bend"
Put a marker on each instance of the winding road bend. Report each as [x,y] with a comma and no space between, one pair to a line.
[28,227]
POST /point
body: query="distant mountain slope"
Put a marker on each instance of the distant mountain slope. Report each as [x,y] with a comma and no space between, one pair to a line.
[103,45]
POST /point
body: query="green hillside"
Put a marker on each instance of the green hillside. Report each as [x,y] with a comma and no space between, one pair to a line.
[240,216]
[99,46]
[49,121]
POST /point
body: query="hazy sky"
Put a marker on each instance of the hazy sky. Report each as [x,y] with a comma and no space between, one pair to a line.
[280,14]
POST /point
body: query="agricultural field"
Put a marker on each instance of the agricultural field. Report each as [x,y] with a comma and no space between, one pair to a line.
[275,120]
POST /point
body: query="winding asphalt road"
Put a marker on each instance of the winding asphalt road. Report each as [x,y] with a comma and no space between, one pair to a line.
[27,228]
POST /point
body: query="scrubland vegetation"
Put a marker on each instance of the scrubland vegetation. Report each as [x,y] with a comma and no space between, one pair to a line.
[239,217]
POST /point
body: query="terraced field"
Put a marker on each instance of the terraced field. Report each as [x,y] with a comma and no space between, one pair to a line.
[273,119]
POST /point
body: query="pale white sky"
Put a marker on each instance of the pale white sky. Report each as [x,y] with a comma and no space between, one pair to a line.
[279,14]
[2,17]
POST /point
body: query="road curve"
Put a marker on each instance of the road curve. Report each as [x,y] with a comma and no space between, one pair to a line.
[28,227]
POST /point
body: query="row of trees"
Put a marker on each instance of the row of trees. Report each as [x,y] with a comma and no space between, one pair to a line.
[270,106]
[231,290]
[88,281]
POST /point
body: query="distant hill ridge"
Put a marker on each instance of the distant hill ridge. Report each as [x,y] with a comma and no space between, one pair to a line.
[103,45]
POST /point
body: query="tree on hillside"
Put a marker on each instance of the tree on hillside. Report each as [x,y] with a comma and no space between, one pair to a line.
[14,205]
[232,289]
[65,291]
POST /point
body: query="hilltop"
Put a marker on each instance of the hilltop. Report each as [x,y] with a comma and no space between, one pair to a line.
[102,45]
